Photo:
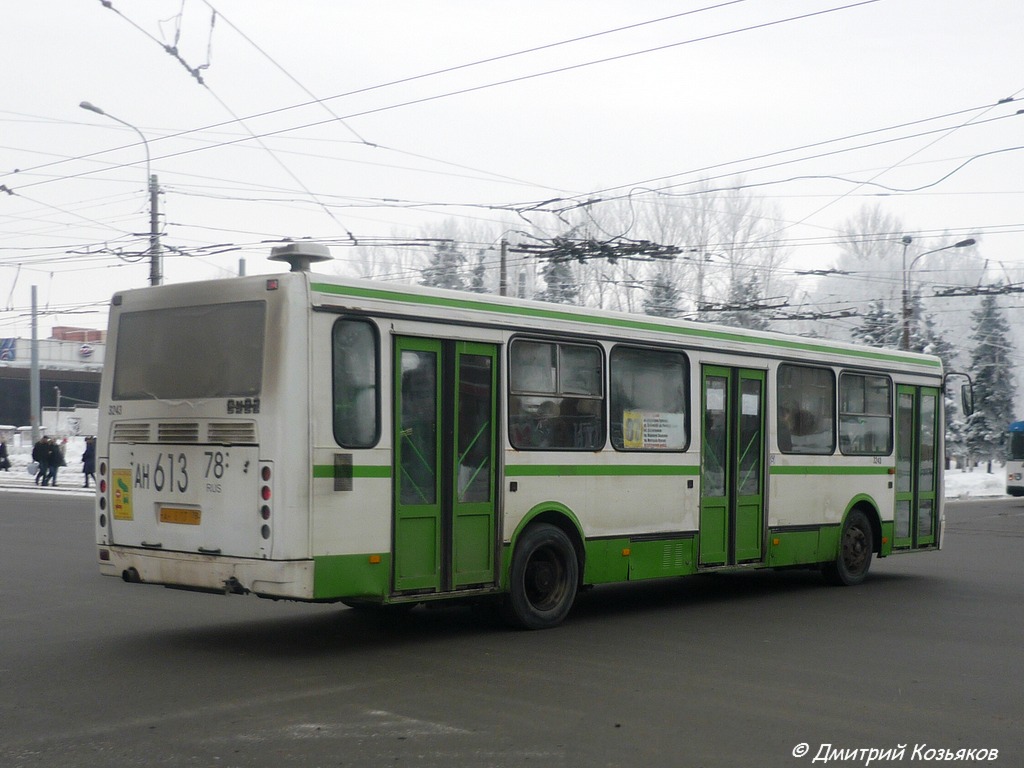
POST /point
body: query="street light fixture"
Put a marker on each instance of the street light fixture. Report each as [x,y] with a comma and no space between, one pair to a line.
[155,266]
[905,344]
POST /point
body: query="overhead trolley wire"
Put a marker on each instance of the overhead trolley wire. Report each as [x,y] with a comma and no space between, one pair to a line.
[471,89]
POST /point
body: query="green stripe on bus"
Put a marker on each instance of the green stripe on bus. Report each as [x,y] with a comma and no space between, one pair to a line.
[776,470]
[327,470]
[624,322]
[585,470]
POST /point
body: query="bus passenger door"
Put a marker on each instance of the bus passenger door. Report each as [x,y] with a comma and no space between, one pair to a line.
[917,509]
[732,466]
[444,465]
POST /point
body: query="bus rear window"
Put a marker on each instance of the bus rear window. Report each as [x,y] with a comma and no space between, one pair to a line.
[195,352]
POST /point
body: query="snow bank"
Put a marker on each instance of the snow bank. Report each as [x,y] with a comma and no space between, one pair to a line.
[961,484]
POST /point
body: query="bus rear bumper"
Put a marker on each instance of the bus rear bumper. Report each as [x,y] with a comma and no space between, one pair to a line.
[288,579]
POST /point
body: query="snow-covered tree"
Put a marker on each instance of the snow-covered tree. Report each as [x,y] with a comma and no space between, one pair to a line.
[744,292]
[561,286]
[992,370]
[871,257]
[445,267]
[662,297]
[478,275]
[879,327]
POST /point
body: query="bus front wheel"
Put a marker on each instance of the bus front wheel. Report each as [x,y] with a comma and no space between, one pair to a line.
[855,548]
[543,578]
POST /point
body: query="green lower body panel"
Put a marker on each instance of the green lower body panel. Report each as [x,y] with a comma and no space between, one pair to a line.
[804,547]
[887,531]
[663,557]
[356,576]
[614,560]
[793,548]
[828,543]
[605,562]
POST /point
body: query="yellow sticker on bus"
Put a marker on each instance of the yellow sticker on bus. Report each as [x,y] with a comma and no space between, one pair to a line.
[122,484]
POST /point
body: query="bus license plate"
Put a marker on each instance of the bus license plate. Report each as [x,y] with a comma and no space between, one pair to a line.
[180,515]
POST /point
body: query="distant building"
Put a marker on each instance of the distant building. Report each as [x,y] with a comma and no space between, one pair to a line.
[71,360]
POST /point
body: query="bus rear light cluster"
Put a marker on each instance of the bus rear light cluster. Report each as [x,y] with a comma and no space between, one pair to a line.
[266,493]
[101,502]
[103,486]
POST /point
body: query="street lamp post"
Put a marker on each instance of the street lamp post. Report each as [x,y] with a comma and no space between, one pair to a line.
[905,344]
[155,266]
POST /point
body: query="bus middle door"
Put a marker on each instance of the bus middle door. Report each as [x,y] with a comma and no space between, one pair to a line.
[732,466]
[444,465]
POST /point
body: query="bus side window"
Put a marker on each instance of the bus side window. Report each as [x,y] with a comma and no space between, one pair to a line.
[865,415]
[648,399]
[356,383]
[806,416]
[555,396]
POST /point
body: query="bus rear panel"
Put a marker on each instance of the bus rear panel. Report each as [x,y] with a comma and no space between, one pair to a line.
[191,437]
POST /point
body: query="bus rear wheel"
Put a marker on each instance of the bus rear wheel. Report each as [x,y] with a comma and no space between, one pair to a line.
[543,579]
[855,549]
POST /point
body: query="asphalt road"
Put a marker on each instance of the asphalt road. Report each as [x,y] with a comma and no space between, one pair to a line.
[733,670]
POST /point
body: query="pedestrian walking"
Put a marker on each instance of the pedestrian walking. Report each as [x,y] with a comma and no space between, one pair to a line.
[5,462]
[41,457]
[56,457]
[89,460]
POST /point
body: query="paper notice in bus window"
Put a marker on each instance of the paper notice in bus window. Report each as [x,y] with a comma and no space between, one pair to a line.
[121,483]
[751,405]
[716,399]
[653,430]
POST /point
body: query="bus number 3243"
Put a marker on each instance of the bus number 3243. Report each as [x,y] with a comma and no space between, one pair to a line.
[170,471]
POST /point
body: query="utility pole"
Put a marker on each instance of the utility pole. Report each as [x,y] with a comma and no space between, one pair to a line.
[155,267]
[155,271]
[503,274]
[905,340]
[34,374]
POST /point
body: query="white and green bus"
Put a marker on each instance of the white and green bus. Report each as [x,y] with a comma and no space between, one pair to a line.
[306,437]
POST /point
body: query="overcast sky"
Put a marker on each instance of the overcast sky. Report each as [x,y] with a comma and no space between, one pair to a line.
[336,120]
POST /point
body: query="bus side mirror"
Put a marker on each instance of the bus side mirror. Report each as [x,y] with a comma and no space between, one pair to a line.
[966,391]
[967,398]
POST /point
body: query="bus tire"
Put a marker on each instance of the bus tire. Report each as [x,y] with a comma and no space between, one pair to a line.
[856,546]
[543,579]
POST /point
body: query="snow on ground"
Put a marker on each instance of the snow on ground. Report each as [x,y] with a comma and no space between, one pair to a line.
[976,484]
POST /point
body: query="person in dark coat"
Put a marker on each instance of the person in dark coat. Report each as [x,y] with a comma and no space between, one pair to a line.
[89,460]
[41,456]
[56,456]
[5,462]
